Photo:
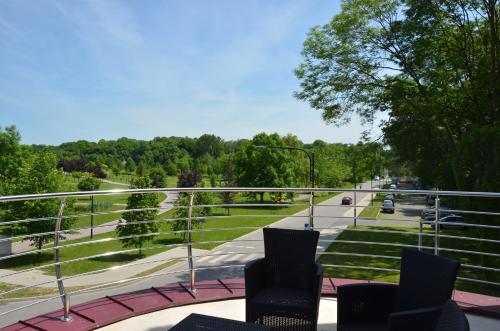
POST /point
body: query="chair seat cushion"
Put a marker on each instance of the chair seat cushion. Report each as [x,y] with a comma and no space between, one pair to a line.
[364,327]
[274,300]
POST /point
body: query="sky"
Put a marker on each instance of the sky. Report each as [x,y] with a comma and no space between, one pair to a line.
[93,69]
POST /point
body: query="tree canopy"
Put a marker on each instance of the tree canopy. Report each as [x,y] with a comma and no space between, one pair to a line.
[433,66]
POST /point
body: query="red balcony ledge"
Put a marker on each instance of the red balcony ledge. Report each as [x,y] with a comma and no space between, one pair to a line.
[98,313]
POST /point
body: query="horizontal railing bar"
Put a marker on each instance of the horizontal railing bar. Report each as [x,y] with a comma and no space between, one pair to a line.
[25,287]
[472,212]
[103,240]
[30,304]
[387,231]
[467,252]
[359,267]
[412,246]
[96,213]
[150,248]
[251,205]
[95,227]
[240,189]
[480,267]
[375,243]
[155,275]
[361,255]
[478,281]
[103,269]
[465,224]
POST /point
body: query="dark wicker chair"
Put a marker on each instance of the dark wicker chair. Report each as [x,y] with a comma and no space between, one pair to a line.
[425,284]
[452,318]
[283,289]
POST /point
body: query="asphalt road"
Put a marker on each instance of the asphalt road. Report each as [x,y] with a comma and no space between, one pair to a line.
[330,219]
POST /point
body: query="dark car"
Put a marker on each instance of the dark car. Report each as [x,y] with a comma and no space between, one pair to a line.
[445,220]
[387,206]
[346,200]
[443,211]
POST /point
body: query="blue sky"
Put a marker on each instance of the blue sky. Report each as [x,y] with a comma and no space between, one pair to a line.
[106,69]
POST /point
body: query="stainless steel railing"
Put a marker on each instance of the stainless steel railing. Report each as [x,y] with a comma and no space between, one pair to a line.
[308,207]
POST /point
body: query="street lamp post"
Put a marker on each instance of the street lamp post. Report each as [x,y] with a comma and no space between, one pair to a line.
[310,156]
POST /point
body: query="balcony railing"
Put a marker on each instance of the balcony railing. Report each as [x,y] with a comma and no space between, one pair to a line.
[332,220]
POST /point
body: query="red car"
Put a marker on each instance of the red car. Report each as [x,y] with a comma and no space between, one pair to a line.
[346,200]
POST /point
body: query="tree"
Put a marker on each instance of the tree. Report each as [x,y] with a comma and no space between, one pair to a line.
[158,176]
[189,179]
[141,170]
[139,223]
[89,183]
[229,181]
[10,154]
[433,66]
[37,174]
[263,167]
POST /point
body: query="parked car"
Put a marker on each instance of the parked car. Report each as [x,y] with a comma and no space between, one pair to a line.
[443,211]
[346,200]
[376,178]
[393,187]
[448,219]
[430,199]
[389,196]
[388,206]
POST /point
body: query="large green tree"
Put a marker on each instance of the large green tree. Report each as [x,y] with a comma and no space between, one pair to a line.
[37,174]
[257,165]
[432,65]
[139,227]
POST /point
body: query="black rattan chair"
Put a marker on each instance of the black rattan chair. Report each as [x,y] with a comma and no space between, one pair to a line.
[452,318]
[425,284]
[283,289]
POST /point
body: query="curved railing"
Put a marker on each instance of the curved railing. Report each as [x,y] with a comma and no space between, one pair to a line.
[349,221]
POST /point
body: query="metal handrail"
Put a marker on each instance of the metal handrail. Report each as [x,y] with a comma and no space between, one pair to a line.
[24,197]
[309,212]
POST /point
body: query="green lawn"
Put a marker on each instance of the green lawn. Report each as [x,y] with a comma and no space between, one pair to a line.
[373,212]
[256,219]
[409,238]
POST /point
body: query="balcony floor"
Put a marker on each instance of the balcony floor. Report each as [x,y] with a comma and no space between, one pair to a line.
[235,309]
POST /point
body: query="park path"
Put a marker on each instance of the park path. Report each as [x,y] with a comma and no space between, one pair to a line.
[165,205]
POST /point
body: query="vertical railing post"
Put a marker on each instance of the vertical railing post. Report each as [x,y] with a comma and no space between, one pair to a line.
[355,210]
[60,283]
[91,217]
[311,211]
[190,243]
[437,224]
[420,235]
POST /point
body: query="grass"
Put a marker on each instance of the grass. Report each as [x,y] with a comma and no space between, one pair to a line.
[409,237]
[373,212]
[255,219]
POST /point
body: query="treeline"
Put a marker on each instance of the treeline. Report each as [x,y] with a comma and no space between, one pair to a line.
[250,162]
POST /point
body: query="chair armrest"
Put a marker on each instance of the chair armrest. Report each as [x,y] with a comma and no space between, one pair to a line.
[254,277]
[415,319]
[365,302]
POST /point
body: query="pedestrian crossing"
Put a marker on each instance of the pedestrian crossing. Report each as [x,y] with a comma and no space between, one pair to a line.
[232,256]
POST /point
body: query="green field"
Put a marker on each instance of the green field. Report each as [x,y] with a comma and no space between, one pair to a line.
[409,237]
